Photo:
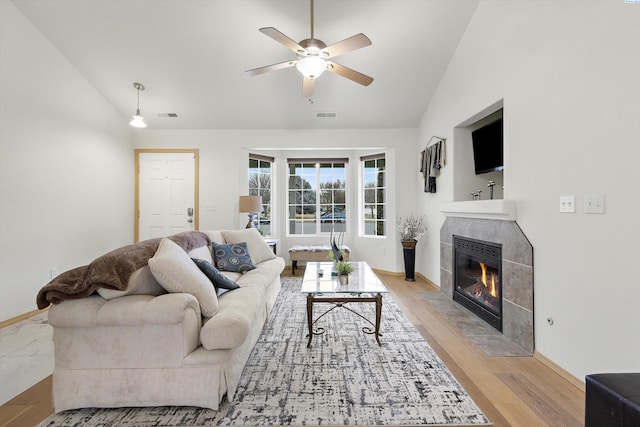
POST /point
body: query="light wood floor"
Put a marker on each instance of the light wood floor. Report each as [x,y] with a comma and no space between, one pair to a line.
[511,391]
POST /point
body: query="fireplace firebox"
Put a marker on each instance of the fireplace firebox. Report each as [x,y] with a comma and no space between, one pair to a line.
[477,278]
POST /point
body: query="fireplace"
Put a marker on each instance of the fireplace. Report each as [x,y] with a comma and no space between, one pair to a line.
[516,269]
[477,278]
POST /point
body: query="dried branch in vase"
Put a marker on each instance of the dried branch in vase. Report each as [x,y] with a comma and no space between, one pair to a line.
[412,227]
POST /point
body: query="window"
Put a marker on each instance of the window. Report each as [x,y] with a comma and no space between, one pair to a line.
[374,186]
[260,168]
[316,198]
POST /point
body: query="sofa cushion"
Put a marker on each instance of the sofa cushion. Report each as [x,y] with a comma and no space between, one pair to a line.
[174,270]
[266,272]
[238,312]
[215,236]
[219,280]
[141,282]
[203,252]
[258,248]
[233,257]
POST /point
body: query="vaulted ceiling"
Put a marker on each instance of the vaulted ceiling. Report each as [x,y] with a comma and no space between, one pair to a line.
[191,56]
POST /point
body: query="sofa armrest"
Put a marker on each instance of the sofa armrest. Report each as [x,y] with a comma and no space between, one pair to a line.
[169,308]
[127,310]
[134,331]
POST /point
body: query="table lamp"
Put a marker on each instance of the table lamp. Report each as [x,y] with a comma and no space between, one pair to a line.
[250,205]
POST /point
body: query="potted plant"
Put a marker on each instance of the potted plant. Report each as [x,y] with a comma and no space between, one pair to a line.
[411,229]
[344,269]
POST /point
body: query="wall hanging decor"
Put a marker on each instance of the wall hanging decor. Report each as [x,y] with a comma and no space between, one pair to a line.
[433,158]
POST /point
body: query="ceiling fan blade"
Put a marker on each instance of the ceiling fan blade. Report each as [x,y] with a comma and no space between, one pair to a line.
[272,67]
[350,74]
[307,87]
[283,40]
[347,45]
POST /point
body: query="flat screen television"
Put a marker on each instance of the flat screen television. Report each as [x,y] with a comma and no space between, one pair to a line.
[487,148]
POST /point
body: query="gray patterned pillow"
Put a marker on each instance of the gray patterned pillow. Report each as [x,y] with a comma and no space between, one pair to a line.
[234,257]
[219,280]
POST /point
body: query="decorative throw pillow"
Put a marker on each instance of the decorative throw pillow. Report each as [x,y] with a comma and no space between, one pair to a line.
[174,270]
[219,280]
[233,257]
[258,248]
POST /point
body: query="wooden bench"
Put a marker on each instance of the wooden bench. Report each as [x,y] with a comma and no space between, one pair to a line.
[312,253]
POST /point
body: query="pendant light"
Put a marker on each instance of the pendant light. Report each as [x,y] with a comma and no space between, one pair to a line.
[138,120]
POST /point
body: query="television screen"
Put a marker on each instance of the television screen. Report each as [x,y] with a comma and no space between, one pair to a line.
[487,148]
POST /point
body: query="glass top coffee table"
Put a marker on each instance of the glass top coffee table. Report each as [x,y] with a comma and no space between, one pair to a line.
[321,287]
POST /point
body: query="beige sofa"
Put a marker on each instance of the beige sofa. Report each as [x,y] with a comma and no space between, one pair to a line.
[149,346]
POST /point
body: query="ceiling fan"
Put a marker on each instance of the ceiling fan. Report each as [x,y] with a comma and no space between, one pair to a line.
[313,57]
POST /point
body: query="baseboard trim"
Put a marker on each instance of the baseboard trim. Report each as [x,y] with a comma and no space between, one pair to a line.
[16,319]
[388,273]
[427,280]
[560,371]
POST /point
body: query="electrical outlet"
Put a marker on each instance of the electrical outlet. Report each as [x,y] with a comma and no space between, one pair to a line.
[594,203]
[53,272]
[568,204]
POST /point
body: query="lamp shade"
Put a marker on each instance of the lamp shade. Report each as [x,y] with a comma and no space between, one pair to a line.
[138,121]
[250,204]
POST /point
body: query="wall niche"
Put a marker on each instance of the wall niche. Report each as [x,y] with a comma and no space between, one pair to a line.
[466,182]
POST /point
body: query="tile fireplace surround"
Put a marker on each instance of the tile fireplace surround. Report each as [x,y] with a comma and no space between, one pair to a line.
[517,271]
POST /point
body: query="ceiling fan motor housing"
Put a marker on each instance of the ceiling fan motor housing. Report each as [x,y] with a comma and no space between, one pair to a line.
[313,47]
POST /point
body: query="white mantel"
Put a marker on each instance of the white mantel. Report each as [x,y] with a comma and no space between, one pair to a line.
[500,209]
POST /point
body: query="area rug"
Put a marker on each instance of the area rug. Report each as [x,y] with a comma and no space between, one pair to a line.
[344,378]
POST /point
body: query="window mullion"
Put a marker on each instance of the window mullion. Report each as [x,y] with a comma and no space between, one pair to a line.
[317,189]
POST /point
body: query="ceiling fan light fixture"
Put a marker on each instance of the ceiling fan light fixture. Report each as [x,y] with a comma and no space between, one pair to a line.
[311,66]
[138,120]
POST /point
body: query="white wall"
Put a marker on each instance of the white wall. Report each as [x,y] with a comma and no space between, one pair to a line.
[224,176]
[568,74]
[66,166]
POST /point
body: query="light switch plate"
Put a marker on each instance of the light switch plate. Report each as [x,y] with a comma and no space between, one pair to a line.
[594,203]
[568,204]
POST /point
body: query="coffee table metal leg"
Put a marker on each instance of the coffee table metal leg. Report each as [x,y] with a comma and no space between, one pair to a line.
[378,316]
[310,318]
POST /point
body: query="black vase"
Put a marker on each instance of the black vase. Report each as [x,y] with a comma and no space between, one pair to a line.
[409,249]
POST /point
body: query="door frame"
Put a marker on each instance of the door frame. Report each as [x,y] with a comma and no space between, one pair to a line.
[196,182]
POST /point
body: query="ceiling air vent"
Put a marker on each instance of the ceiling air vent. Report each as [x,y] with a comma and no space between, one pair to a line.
[325,115]
[167,114]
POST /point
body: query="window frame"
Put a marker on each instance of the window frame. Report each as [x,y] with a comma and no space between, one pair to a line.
[320,205]
[381,217]
[267,206]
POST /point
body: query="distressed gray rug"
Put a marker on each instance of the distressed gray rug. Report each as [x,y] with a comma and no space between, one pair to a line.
[345,378]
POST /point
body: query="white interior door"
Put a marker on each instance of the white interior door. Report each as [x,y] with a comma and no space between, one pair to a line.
[166,194]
